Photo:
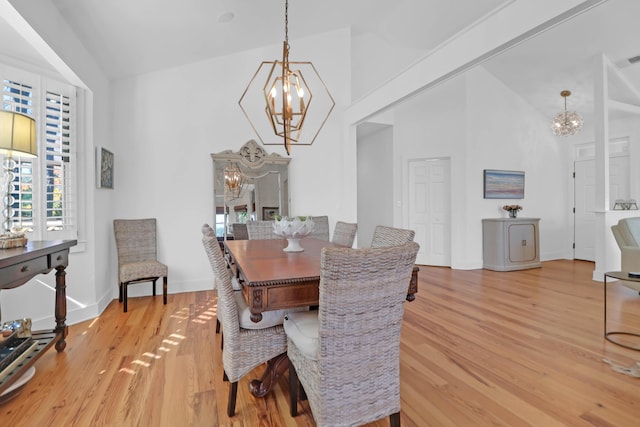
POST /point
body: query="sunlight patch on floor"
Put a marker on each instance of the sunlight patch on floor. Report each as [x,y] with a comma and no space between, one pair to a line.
[141,363]
[204,313]
[152,355]
[208,312]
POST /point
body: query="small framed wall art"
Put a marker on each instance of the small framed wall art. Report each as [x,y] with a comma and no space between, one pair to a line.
[104,168]
[269,213]
[500,184]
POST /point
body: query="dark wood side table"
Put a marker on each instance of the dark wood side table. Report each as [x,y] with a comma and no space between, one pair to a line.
[609,335]
[17,267]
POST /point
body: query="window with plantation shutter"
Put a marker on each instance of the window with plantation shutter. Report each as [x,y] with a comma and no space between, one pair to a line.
[57,157]
[43,188]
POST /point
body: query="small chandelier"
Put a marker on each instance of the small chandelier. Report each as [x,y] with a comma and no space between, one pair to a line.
[286,98]
[234,181]
[567,122]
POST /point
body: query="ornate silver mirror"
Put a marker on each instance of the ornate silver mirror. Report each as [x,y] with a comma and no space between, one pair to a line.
[248,184]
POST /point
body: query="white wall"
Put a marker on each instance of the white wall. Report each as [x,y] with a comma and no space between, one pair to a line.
[375,183]
[375,62]
[480,124]
[505,132]
[432,125]
[166,125]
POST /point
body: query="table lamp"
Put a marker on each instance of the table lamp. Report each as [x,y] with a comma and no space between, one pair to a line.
[17,137]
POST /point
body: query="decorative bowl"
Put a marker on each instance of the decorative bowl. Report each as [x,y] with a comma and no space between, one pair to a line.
[8,241]
[293,229]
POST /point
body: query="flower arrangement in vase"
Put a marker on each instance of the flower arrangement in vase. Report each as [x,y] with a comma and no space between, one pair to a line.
[512,209]
[293,229]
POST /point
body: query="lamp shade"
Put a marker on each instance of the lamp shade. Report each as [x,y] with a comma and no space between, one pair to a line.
[17,134]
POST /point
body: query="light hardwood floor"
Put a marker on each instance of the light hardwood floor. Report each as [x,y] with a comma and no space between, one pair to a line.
[479,348]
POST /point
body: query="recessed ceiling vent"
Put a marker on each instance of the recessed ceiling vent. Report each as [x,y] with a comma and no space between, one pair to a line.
[634,59]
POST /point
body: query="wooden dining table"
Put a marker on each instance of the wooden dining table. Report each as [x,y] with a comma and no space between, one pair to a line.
[273,279]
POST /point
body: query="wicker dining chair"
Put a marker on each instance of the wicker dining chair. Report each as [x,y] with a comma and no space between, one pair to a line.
[347,354]
[136,246]
[320,227]
[261,230]
[240,231]
[244,349]
[344,233]
[210,232]
[389,236]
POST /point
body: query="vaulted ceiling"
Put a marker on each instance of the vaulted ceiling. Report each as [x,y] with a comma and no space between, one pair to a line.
[132,37]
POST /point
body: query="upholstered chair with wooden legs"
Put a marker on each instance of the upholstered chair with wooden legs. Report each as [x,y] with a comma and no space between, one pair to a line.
[137,256]
[347,354]
[389,236]
[627,235]
[344,233]
[244,349]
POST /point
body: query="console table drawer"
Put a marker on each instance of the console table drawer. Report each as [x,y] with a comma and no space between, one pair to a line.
[59,259]
[24,270]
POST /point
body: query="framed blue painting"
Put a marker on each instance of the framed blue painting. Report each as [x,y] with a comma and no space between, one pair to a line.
[501,184]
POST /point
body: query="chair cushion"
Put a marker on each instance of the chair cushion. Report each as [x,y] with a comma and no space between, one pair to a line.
[630,230]
[269,318]
[142,270]
[302,329]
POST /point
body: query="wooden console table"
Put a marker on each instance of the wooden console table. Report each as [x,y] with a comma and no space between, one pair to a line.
[17,267]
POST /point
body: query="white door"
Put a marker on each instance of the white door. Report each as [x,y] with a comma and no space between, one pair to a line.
[429,209]
[584,205]
[584,194]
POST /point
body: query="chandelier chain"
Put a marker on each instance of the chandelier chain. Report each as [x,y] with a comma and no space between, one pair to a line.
[286,22]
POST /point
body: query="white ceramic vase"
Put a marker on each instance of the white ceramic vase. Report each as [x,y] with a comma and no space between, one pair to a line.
[293,229]
[293,245]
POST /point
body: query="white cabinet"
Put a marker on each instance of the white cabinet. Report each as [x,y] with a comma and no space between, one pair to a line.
[510,243]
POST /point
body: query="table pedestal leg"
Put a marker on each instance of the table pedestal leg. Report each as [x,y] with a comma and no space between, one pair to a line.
[276,367]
